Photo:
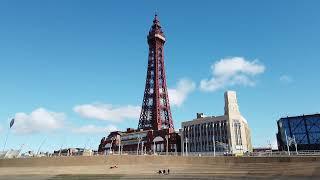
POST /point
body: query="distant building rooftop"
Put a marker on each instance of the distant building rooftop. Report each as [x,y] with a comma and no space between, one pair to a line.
[302,115]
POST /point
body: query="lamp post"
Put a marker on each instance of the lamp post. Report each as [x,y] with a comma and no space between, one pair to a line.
[142,150]
[187,133]
[285,132]
[167,148]
[154,143]
[207,147]
[139,139]
[186,146]
[183,136]
[112,139]
[270,146]
[119,145]
[214,145]
[295,144]
[121,149]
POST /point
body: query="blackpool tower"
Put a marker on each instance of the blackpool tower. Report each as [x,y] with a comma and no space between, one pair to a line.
[155,112]
[155,131]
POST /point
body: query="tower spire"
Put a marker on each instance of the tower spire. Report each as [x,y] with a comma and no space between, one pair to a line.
[155,15]
[156,30]
[155,19]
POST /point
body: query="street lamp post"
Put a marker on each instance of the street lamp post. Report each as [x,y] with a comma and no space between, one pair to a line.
[214,145]
[142,150]
[295,144]
[285,132]
[121,149]
[183,136]
[154,144]
[112,139]
[270,146]
[187,133]
[186,146]
[167,148]
[139,139]
[207,147]
[119,145]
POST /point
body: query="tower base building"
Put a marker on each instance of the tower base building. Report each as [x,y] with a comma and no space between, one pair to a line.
[226,134]
[140,142]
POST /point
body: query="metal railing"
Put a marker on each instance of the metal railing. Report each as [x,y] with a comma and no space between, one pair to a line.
[285,153]
[191,154]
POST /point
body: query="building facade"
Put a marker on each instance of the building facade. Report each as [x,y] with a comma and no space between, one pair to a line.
[140,142]
[229,133]
[305,129]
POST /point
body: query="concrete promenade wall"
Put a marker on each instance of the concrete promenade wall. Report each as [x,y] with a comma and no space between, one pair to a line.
[134,160]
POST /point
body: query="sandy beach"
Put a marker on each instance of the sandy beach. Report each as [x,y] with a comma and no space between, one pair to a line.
[132,167]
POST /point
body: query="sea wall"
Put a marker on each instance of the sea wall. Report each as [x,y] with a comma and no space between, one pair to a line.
[133,160]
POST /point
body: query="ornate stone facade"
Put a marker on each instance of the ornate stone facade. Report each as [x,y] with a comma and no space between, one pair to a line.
[229,133]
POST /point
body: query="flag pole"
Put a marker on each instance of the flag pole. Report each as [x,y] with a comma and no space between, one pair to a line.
[5,142]
[10,126]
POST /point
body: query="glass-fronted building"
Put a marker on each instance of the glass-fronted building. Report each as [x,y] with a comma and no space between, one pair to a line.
[305,129]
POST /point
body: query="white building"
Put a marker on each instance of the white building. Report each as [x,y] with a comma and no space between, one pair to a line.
[230,132]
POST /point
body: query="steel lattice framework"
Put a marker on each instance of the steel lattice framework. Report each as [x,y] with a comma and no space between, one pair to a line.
[305,129]
[155,112]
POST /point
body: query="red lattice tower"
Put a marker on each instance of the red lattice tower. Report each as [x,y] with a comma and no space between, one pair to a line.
[155,112]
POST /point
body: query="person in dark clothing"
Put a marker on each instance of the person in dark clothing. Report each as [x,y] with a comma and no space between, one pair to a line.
[160,172]
[168,171]
[164,171]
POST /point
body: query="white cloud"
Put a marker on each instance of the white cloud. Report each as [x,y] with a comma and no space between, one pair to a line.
[111,113]
[178,95]
[108,112]
[40,120]
[92,129]
[286,79]
[232,71]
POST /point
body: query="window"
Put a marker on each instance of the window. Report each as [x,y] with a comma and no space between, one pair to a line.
[237,132]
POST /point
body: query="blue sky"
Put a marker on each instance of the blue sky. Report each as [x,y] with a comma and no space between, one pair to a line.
[71,69]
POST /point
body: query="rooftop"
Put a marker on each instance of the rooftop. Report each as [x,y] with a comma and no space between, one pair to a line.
[303,115]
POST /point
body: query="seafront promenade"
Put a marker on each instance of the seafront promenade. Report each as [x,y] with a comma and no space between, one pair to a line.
[138,167]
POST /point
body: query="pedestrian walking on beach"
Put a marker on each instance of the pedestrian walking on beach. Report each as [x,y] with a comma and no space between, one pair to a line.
[168,171]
